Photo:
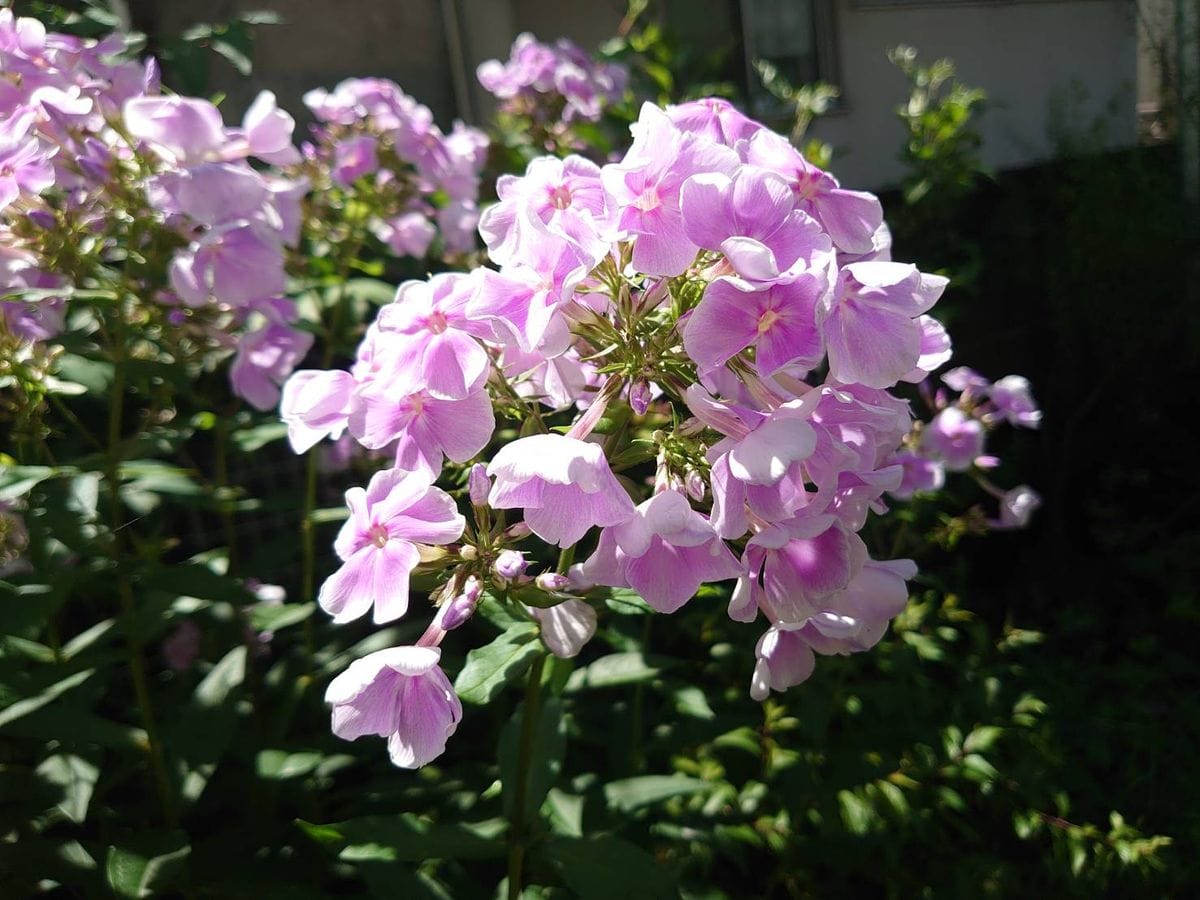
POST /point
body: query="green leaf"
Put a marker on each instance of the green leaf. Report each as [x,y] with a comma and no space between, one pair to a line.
[279,616]
[249,440]
[607,868]
[206,726]
[627,602]
[617,669]
[492,666]
[981,739]
[17,481]
[279,765]
[404,838]
[48,695]
[76,777]
[690,701]
[148,866]
[629,794]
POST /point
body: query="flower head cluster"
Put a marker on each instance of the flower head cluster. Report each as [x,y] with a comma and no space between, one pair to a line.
[378,144]
[553,82]
[731,315]
[954,440]
[99,171]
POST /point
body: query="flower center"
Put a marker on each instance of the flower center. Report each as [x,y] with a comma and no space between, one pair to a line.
[378,535]
[560,196]
[806,184]
[769,318]
[648,200]
[437,322]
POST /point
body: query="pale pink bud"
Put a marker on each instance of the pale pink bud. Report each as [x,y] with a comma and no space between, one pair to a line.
[552,581]
[478,485]
[510,564]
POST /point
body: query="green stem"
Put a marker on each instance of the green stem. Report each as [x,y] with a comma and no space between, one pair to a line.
[137,668]
[517,828]
[639,703]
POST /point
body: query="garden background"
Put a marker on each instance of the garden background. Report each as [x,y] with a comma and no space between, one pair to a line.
[1026,727]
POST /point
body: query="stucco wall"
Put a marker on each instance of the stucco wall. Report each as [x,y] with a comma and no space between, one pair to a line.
[1044,65]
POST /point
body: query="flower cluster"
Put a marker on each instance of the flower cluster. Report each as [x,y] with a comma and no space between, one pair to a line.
[953,441]
[380,146]
[697,343]
[109,186]
[553,83]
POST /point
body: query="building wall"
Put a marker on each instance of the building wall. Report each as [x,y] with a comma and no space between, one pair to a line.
[1047,67]
[1044,65]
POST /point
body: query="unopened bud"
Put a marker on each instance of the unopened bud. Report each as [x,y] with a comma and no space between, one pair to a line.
[462,607]
[478,485]
[468,552]
[694,485]
[639,396]
[42,218]
[510,564]
[552,581]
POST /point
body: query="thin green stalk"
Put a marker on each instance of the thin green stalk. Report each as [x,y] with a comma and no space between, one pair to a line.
[639,703]
[517,828]
[308,547]
[137,669]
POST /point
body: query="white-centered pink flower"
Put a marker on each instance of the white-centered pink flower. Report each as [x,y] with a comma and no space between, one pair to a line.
[564,486]
[401,694]
[378,544]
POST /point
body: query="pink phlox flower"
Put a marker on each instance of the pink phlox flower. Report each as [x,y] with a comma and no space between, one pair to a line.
[316,404]
[264,360]
[25,167]
[921,474]
[665,551]
[1012,398]
[401,694]
[564,486]
[233,266]
[779,320]
[954,437]
[378,543]
[714,118]
[267,131]
[852,218]
[557,382]
[565,628]
[870,321]
[522,300]
[431,339]
[566,195]
[790,570]
[752,219]
[458,221]
[210,194]
[425,428]
[644,189]
[354,157]
[1017,507]
[408,234]
[185,129]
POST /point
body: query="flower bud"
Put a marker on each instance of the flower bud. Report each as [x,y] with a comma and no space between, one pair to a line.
[518,532]
[694,485]
[462,607]
[42,218]
[478,485]
[510,564]
[552,581]
[639,396]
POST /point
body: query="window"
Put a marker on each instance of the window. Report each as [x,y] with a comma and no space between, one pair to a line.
[795,36]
